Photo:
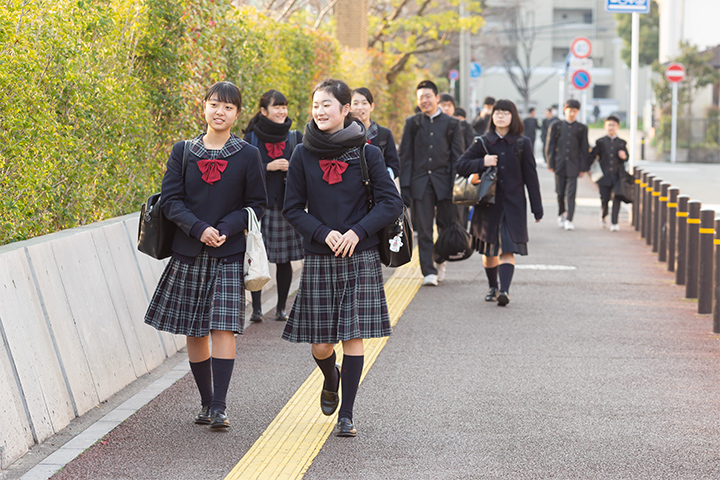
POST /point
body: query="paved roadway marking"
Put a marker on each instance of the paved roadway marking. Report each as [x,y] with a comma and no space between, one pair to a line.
[288,446]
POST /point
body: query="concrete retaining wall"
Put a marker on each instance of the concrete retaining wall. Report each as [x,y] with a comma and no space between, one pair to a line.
[71,327]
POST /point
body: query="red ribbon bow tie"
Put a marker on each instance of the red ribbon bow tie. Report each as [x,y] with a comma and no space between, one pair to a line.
[333,170]
[275,149]
[211,169]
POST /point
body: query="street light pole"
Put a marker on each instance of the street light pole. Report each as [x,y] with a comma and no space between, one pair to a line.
[464,63]
[634,61]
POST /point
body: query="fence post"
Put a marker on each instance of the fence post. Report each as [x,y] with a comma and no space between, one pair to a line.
[705,277]
[672,227]
[681,259]
[662,242]
[692,250]
[655,240]
[647,207]
[637,173]
[642,204]
[716,307]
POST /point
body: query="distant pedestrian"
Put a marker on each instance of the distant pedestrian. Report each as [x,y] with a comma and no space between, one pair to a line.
[201,293]
[611,151]
[500,229]
[341,296]
[447,105]
[550,118]
[531,126]
[431,144]
[596,111]
[362,106]
[482,120]
[269,131]
[568,154]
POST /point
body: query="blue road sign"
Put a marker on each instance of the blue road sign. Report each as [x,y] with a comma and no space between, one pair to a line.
[628,6]
[581,79]
[453,75]
[475,70]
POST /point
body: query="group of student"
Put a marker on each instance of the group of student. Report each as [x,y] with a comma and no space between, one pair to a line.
[308,190]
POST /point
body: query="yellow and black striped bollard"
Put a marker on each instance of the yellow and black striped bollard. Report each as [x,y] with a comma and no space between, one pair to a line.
[705,278]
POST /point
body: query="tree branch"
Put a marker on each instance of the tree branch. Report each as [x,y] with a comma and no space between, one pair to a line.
[324,12]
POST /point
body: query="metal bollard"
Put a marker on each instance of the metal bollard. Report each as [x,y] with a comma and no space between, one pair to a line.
[641,203]
[672,227]
[649,213]
[662,242]
[693,249]
[681,256]
[716,307]
[637,173]
[705,275]
[655,237]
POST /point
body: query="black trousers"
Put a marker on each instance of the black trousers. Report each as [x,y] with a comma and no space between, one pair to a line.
[425,212]
[566,189]
[605,194]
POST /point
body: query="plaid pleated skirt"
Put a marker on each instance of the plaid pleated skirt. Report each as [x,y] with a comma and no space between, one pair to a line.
[505,243]
[339,299]
[194,299]
[282,242]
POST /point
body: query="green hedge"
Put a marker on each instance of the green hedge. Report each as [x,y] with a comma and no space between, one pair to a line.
[93,93]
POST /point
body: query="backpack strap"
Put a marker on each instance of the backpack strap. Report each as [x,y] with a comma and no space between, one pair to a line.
[452,128]
[253,139]
[383,136]
[519,146]
[292,139]
[186,154]
[366,177]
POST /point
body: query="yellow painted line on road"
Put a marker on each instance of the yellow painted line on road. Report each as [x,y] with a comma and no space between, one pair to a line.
[293,439]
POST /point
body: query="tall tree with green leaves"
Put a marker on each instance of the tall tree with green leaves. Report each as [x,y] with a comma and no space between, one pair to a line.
[649,35]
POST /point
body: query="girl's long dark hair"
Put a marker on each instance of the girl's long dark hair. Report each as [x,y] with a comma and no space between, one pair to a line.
[516,125]
[268,99]
[341,92]
[225,92]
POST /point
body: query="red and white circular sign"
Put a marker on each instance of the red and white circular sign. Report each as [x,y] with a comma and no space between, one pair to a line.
[675,72]
[581,47]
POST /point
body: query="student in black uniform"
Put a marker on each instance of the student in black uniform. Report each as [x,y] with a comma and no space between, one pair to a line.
[612,153]
[341,296]
[362,106]
[201,292]
[269,130]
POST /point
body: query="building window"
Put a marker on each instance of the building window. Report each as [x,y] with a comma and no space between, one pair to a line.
[559,55]
[601,91]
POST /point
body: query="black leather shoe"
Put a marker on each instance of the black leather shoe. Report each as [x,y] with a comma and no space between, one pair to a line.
[281,316]
[218,420]
[491,295]
[203,418]
[329,400]
[503,299]
[256,317]
[345,428]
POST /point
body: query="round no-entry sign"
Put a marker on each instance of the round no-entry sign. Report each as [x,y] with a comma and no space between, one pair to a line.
[675,73]
[581,47]
[581,79]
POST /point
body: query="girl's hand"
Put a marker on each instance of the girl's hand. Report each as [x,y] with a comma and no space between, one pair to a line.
[347,243]
[278,164]
[490,160]
[212,238]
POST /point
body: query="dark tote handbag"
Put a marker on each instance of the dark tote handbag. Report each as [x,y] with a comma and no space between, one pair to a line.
[155,232]
[396,239]
[465,193]
[626,187]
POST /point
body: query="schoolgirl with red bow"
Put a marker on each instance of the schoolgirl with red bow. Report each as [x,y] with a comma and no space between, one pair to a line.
[201,293]
[269,130]
[341,296]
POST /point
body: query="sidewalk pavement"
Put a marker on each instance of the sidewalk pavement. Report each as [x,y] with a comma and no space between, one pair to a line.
[597,369]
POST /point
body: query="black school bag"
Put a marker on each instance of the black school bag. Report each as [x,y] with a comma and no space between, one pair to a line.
[453,244]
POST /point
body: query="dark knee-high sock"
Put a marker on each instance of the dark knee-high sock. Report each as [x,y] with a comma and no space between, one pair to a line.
[222,371]
[492,276]
[284,276]
[257,300]
[506,271]
[327,367]
[351,372]
[202,373]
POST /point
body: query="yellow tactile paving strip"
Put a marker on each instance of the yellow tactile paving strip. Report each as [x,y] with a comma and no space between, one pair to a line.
[290,443]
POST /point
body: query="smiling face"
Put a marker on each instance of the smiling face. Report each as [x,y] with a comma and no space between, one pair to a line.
[361,107]
[327,112]
[427,101]
[275,113]
[220,116]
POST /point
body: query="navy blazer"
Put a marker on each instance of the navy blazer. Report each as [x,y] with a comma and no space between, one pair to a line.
[514,175]
[275,180]
[220,204]
[342,206]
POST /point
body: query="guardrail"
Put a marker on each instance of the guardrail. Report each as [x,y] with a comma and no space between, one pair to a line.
[684,235]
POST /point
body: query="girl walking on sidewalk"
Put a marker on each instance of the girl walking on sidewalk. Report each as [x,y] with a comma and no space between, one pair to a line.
[500,229]
[269,130]
[362,106]
[201,292]
[341,296]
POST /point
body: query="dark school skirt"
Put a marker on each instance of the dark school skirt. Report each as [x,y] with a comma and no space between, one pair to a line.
[339,299]
[282,242]
[505,245]
[194,299]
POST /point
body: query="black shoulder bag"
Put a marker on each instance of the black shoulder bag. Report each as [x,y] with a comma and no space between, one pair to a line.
[396,239]
[155,232]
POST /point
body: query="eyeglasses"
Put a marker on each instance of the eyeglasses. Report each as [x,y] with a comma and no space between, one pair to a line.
[501,113]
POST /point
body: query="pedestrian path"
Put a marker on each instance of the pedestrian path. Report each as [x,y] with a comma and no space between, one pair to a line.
[598,369]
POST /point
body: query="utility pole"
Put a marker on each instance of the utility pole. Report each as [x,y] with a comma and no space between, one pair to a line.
[464,63]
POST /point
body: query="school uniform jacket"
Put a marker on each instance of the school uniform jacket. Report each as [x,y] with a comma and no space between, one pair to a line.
[514,175]
[568,149]
[386,142]
[606,151]
[341,206]
[194,204]
[275,180]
